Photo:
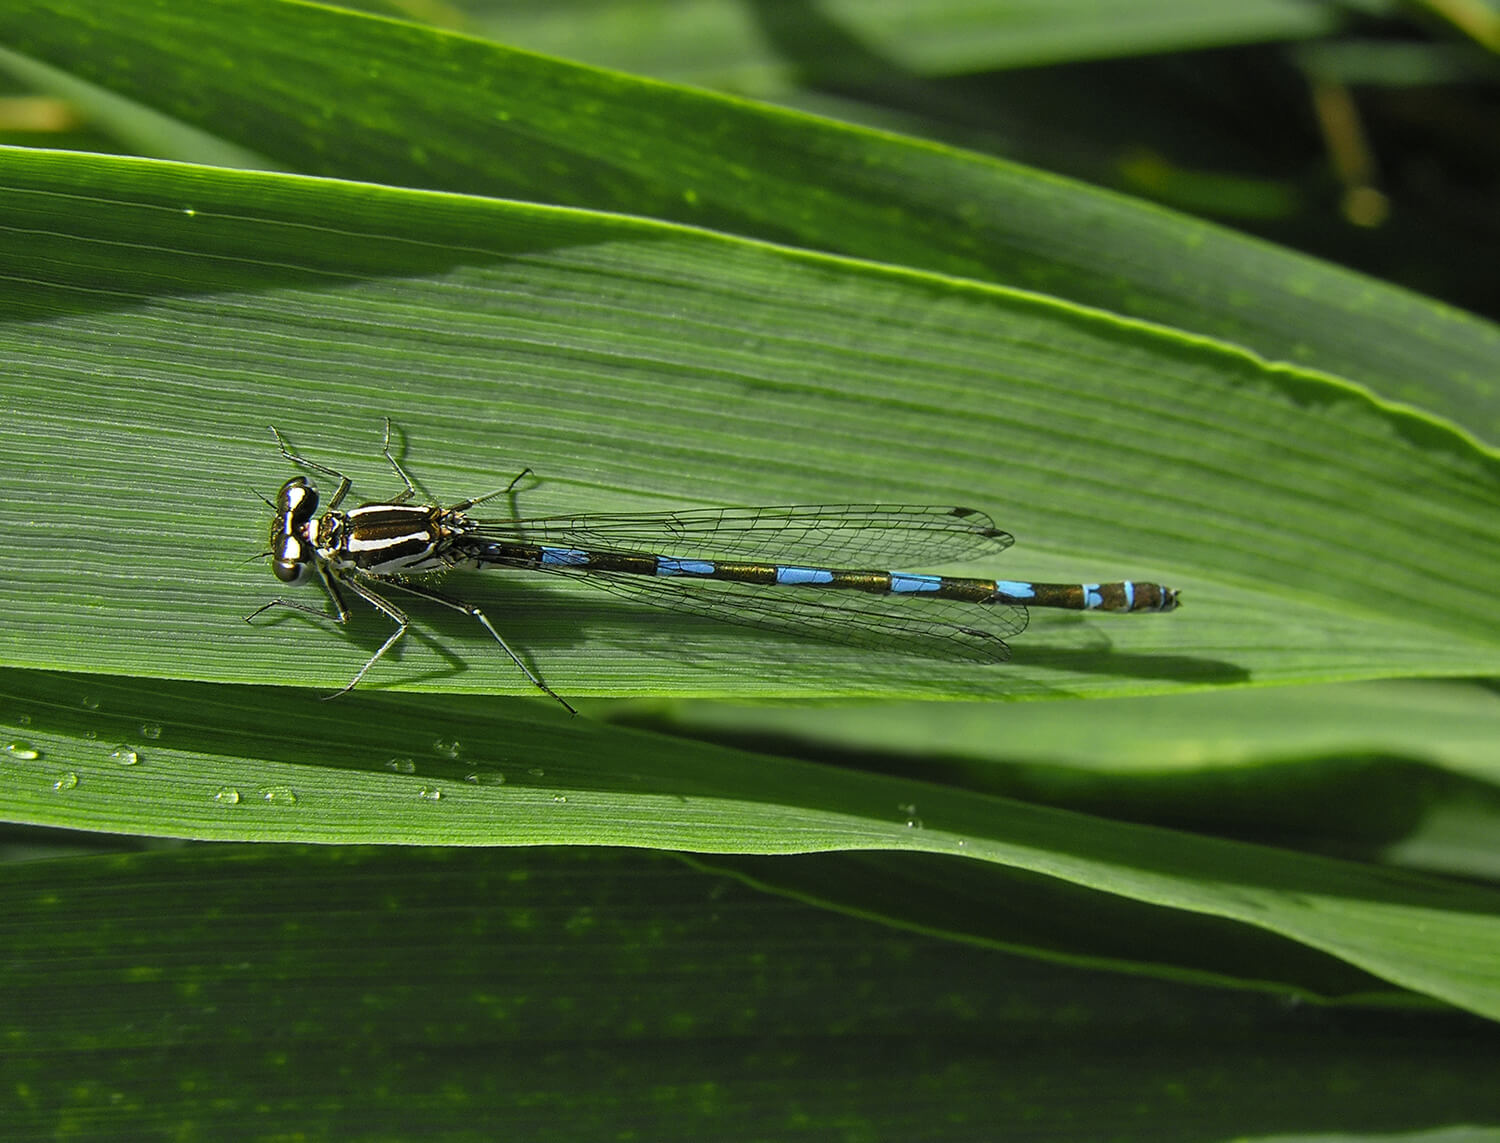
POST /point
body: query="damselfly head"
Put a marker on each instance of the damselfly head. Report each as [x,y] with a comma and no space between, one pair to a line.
[291,543]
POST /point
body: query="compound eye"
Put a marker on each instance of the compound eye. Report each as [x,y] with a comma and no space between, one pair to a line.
[298,498]
[289,571]
[289,560]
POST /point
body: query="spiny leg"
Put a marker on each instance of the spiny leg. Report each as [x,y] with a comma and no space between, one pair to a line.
[378,602]
[329,586]
[315,466]
[465,505]
[411,489]
[474,613]
[293,604]
[391,612]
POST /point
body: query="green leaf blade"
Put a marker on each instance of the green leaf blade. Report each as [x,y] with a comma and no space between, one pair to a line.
[495,121]
[638,365]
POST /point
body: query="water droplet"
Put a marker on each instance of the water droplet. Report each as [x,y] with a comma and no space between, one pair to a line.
[67,782]
[89,702]
[559,798]
[401,766]
[281,795]
[125,755]
[430,794]
[228,795]
[23,751]
[448,749]
[151,730]
[913,823]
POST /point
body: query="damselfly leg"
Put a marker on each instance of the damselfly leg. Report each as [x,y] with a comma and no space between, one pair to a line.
[344,482]
[425,592]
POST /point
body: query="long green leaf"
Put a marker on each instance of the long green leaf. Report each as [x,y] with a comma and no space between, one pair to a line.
[359,995]
[1453,726]
[274,765]
[1404,773]
[762,47]
[333,93]
[158,317]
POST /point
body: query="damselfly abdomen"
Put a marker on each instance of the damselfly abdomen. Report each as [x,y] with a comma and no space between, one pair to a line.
[766,567]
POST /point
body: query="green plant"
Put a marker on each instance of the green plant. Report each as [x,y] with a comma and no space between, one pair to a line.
[718,302]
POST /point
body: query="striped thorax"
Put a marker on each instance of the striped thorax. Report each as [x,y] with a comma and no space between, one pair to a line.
[378,539]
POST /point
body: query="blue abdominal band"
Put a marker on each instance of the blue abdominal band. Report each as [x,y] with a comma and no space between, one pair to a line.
[903,582]
[790,575]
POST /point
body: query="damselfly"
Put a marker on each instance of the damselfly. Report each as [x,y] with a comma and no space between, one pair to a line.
[766,567]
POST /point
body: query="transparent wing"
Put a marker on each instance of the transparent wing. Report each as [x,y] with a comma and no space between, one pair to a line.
[844,535]
[933,628]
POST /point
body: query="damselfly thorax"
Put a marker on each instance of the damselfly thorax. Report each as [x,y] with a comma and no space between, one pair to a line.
[378,539]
